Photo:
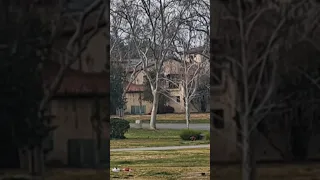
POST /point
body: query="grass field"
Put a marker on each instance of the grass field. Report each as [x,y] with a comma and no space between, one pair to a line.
[152,138]
[171,118]
[146,165]
[162,168]
[189,164]
[272,172]
[174,164]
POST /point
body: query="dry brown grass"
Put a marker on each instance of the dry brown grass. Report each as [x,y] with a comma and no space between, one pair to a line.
[232,172]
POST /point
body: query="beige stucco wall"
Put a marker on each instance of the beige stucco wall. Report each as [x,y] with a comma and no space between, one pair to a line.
[171,67]
[93,59]
[223,141]
[174,67]
[139,79]
[133,100]
[195,57]
[73,121]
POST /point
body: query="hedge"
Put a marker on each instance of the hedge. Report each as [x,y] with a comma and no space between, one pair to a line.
[187,134]
[118,128]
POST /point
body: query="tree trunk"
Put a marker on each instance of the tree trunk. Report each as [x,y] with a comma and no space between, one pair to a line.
[120,112]
[40,162]
[97,158]
[248,160]
[248,153]
[245,152]
[97,147]
[36,162]
[187,114]
[23,155]
[252,150]
[154,110]
[31,161]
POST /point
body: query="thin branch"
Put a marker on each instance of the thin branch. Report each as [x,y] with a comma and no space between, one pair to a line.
[253,21]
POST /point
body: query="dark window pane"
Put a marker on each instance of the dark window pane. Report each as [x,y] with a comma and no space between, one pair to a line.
[178,98]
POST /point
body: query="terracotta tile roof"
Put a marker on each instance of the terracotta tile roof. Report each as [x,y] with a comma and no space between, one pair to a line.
[76,82]
[135,88]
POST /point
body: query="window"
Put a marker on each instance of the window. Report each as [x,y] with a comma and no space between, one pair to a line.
[145,79]
[138,109]
[217,118]
[178,98]
[173,81]
[191,57]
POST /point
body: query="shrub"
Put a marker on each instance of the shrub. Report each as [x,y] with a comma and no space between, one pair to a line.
[186,134]
[118,128]
[207,136]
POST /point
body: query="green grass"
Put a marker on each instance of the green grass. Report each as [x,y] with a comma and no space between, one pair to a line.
[174,164]
[176,168]
[153,138]
[195,118]
[182,121]
[274,172]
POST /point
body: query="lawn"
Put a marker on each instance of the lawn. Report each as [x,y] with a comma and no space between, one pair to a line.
[180,164]
[146,165]
[171,118]
[272,172]
[173,164]
[152,138]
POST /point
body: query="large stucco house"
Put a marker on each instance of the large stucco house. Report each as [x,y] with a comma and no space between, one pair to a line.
[84,89]
[172,69]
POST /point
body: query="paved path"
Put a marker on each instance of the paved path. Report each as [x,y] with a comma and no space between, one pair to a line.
[174,126]
[162,148]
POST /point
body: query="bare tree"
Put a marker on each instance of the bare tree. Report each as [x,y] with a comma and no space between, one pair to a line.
[190,49]
[188,81]
[64,19]
[189,65]
[77,44]
[123,52]
[152,26]
[252,57]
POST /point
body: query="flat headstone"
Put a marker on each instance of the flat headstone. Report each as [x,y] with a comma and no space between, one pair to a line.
[139,123]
